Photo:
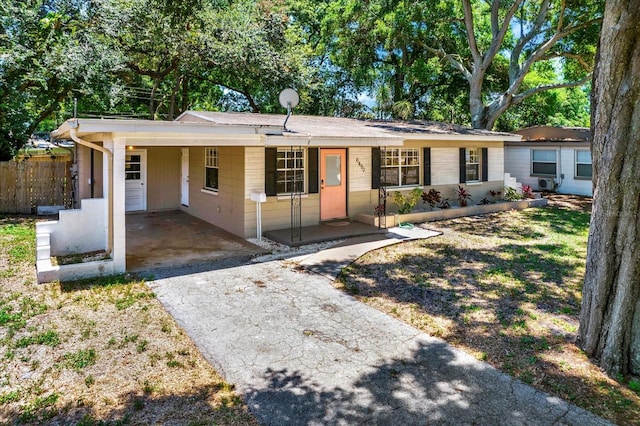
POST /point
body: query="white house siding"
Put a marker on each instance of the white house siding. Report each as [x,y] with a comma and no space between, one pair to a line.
[226,208]
[253,170]
[518,163]
[570,184]
[495,164]
[359,171]
[445,166]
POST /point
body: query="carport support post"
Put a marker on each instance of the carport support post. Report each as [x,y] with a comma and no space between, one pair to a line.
[259,198]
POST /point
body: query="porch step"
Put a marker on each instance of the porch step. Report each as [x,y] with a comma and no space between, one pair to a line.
[512,182]
[43,246]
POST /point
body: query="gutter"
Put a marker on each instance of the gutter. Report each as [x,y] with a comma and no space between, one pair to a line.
[73,126]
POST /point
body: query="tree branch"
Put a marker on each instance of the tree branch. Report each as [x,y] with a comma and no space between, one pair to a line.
[528,93]
[440,53]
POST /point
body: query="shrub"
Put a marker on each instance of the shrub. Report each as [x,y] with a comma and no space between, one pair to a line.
[407,203]
[444,204]
[463,196]
[432,197]
[510,194]
[527,191]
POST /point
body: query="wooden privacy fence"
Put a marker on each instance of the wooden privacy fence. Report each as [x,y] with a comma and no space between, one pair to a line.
[25,185]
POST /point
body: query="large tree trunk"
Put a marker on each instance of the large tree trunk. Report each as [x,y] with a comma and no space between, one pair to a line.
[610,316]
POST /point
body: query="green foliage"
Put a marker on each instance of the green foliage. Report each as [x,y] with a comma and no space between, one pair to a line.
[49,338]
[510,194]
[462,195]
[379,59]
[40,408]
[80,359]
[432,197]
[406,203]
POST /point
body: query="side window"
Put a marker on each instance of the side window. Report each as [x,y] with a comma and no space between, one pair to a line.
[211,162]
[543,162]
[583,164]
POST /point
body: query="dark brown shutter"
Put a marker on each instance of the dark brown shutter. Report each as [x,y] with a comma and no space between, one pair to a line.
[375,168]
[270,166]
[426,166]
[485,164]
[463,165]
[312,172]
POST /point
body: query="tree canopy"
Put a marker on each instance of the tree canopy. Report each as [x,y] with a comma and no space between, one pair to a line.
[484,63]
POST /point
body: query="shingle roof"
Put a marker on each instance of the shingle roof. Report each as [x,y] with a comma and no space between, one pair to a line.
[322,127]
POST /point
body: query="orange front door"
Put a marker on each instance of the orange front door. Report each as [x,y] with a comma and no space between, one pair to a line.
[333,183]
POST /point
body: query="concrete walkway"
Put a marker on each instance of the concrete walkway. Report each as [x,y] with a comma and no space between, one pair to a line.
[301,352]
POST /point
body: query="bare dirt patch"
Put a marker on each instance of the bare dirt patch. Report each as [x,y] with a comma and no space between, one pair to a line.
[97,352]
[505,287]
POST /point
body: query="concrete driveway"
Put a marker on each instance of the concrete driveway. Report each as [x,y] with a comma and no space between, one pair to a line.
[301,352]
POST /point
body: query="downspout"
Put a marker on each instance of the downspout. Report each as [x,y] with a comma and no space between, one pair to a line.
[73,125]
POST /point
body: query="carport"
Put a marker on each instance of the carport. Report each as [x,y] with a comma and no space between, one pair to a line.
[174,238]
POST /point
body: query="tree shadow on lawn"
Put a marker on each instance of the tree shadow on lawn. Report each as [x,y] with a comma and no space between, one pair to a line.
[139,408]
[503,278]
[514,305]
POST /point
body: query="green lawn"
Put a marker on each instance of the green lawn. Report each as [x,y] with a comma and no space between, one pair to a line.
[101,351]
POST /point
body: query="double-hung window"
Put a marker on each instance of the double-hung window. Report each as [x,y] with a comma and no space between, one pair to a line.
[211,163]
[583,164]
[543,162]
[290,170]
[400,166]
[473,164]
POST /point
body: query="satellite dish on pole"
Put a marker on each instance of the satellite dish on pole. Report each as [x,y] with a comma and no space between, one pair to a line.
[289,99]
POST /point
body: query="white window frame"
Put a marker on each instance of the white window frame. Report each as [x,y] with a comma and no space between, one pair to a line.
[590,163]
[473,159]
[555,162]
[400,160]
[297,163]
[211,161]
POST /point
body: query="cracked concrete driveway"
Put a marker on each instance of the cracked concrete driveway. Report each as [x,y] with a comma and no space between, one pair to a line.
[303,353]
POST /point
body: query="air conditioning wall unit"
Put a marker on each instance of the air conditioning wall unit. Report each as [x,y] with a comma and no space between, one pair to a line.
[546,184]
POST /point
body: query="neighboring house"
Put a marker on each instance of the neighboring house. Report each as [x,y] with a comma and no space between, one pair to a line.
[215,166]
[552,159]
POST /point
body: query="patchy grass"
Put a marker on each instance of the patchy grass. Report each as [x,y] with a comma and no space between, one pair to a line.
[506,288]
[98,351]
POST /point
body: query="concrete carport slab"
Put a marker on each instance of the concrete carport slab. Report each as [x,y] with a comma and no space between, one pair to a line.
[174,238]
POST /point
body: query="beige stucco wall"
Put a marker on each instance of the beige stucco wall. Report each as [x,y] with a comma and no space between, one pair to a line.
[226,208]
[163,178]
